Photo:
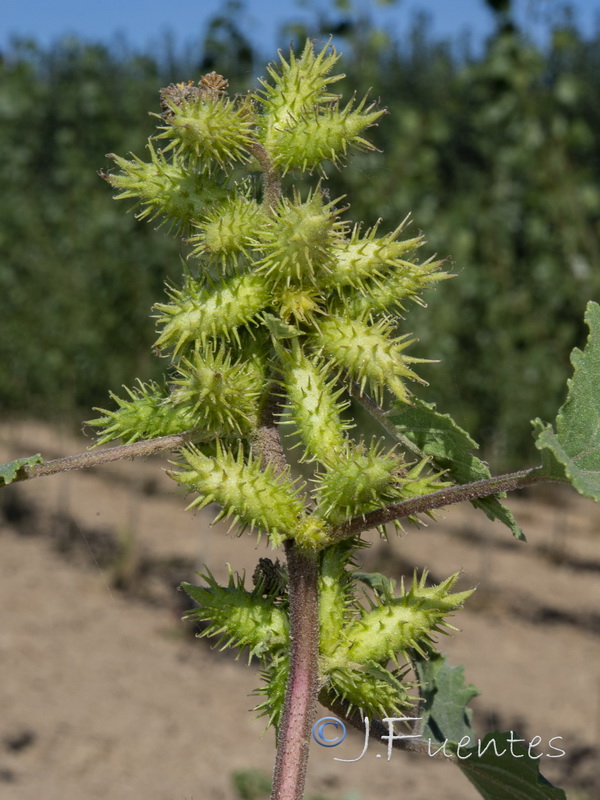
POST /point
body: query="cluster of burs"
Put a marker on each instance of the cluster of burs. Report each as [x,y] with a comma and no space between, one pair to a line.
[284,299]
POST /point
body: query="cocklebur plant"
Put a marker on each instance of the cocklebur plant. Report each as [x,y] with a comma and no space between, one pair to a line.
[287,313]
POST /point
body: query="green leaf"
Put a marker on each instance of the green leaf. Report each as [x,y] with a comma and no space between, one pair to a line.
[380,584]
[493,509]
[445,696]
[501,769]
[280,329]
[428,432]
[544,434]
[10,472]
[573,450]
[505,771]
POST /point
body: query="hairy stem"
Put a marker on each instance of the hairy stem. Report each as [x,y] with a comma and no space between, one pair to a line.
[301,692]
[270,175]
[147,447]
[443,497]
[266,440]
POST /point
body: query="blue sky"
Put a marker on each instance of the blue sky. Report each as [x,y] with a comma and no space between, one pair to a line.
[143,22]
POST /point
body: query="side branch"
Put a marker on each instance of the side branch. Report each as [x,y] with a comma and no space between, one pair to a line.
[147,447]
[443,497]
[377,729]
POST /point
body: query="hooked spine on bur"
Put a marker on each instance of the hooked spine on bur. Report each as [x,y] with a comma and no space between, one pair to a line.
[283,298]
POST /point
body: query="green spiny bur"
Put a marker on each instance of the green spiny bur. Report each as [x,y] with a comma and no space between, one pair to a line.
[245,489]
[305,142]
[228,229]
[165,188]
[360,479]
[210,128]
[367,261]
[298,86]
[390,295]
[275,678]
[147,413]
[335,594]
[369,353]
[313,405]
[297,244]
[403,623]
[221,395]
[204,313]
[418,481]
[240,618]
[372,689]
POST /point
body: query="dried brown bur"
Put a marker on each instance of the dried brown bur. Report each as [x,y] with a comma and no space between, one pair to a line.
[211,86]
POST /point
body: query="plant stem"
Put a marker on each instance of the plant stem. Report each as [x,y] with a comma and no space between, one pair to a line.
[272,181]
[147,447]
[443,497]
[266,441]
[293,739]
[378,731]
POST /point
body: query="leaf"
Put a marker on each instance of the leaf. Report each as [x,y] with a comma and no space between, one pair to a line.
[507,772]
[543,433]
[573,450]
[493,509]
[10,472]
[428,432]
[280,329]
[380,584]
[501,769]
[445,696]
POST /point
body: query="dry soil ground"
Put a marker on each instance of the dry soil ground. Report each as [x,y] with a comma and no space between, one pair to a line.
[105,693]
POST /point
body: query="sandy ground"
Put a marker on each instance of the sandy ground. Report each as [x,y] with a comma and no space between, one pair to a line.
[105,693]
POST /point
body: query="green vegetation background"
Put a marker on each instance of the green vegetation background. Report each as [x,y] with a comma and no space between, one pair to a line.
[496,157]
